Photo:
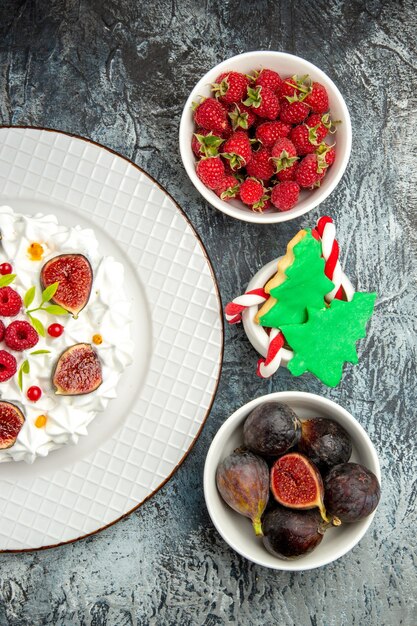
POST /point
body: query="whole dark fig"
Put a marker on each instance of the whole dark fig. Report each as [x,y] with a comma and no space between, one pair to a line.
[325,442]
[242,479]
[271,429]
[289,534]
[351,492]
[296,483]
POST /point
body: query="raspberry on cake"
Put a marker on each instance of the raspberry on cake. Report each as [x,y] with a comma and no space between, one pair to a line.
[71,278]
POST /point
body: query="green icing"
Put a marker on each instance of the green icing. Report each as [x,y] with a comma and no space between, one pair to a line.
[305,286]
[327,340]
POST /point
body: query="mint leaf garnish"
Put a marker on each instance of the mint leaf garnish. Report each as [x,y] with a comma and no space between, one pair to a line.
[7,279]
[37,325]
[55,309]
[49,292]
[29,296]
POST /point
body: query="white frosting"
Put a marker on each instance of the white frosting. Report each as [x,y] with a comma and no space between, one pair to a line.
[107,313]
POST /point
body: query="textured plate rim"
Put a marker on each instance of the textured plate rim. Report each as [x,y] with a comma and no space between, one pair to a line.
[219,301]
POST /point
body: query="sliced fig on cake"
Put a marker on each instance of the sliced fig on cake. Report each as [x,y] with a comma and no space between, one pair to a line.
[74,274]
[78,371]
[11,421]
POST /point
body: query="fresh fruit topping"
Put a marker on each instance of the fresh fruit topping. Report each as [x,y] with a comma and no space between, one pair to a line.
[269,132]
[309,171]
[270,79]
[205,144]
[352,492]
[40,421]
[263,101]
[325,442]
[78,371]
[252,192]
[2,330]
[74,276]
[297,484]
[284,196]
[210,171]
[5,268]
[97,339]
[230,87]
[325,156]
[237,150]
[34,393]
[20,335]
[283,154]
[271,429]
[241,116]
[317,99]
[55,330]
[260,166]
[10,302]
[8,366]
[290,534]
[242,479]
[212,115]
[35,251]
[293,112]
[11,421]
[228,188]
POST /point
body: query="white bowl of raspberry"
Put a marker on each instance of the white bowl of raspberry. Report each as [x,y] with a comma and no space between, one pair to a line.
[265,136]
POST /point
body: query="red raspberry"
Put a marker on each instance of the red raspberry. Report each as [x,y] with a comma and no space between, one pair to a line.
[285,195]
[237,150]
[293,112]
[205,144]
[260,165]
[230,87]
[251,191]
[270,79]
[328,153]
[10,302]
[20,336]
[268,133]
[321,125]
[264,102]
[308,172]
[212,115]
[284,154]
[289,87]
[2,330]
[8,366]
[318,99]
[304,139]
[210,171]
[241,116]
[288,173]
[228,188]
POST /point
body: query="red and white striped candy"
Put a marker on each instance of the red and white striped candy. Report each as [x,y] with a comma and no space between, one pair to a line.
[330,252]
[233,310]
[268,366]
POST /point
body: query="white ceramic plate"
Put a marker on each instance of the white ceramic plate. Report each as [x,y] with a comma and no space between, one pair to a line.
[165,395]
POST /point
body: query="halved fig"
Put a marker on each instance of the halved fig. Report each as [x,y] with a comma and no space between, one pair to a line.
[78,371]
[297,484]
[11,421]
[74,274]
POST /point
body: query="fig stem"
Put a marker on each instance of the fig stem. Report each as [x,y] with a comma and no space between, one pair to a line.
[324,514]
[257,527]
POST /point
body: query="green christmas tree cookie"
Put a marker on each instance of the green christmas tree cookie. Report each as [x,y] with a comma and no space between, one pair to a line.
[301,285]
[327,340]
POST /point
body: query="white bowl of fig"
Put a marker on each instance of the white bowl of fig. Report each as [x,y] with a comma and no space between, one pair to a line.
[292,481]
[265,136]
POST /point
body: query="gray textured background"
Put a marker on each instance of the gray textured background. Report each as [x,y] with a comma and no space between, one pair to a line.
[119,73]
